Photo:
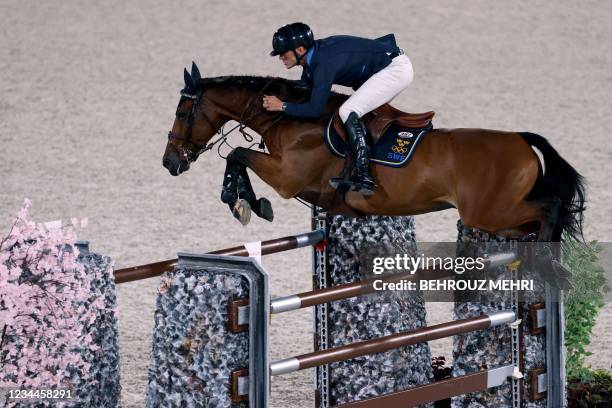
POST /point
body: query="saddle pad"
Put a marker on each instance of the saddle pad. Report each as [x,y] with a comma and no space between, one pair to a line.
[393,149]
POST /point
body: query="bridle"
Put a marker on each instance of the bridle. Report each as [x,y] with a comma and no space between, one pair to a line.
[181,148]
[248,114]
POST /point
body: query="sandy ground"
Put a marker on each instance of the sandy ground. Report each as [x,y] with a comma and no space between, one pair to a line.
[88,91]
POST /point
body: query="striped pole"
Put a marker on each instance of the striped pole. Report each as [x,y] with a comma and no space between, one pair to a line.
[239,314]
[267,247]
[437,391]
[349,290]
[385,343]
[346,291]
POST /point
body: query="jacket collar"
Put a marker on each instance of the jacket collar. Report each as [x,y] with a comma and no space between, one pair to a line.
[309,55]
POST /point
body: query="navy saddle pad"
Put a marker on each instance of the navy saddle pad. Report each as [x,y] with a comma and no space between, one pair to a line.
[393,149]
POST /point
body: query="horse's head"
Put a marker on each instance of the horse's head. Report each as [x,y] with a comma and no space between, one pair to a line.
[196,122]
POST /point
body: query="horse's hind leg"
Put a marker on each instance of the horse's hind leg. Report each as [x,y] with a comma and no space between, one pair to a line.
[500,218]
[548,251]
[517,221]
[549,230]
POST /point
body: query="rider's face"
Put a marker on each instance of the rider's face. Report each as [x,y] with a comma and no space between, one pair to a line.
[288,58]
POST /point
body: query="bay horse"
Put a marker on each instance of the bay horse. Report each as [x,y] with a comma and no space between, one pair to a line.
[493,178]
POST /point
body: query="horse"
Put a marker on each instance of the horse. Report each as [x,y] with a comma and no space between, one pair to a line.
[493,178]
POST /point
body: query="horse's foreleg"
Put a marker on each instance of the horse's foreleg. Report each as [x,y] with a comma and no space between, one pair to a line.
[271,170]
[237,191]
[262,207]
[234,193]
[229,191]
[288,182]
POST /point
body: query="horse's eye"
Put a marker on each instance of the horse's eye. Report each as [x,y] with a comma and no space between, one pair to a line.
[181,115]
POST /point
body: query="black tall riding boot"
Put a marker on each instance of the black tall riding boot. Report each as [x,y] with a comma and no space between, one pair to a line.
[361,180]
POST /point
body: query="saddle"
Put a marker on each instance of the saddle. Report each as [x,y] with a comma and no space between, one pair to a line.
[394,135]
[378,121]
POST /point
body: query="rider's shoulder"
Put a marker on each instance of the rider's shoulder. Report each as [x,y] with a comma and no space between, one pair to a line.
[337,40]
[348,43]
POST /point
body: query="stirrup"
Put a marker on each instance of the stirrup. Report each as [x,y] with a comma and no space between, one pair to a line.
[362,187]
[335,182]
[340,184]
[344,185]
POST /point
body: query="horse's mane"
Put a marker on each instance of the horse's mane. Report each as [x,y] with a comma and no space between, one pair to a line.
[281,87]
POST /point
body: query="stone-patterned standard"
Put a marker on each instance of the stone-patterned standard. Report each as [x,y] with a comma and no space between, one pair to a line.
[487,349]
[103,387]
[353,242]
[193,352]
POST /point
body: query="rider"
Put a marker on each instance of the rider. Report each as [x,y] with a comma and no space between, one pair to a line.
[377,69]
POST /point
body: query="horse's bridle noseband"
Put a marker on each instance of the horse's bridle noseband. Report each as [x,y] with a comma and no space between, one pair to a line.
[188,154]
[191,155]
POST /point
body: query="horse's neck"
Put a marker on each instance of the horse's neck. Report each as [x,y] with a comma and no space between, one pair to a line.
[246,108]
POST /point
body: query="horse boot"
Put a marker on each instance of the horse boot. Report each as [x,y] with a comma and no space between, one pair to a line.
[361,181]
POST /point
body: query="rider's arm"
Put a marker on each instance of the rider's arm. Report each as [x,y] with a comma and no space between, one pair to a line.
[323,78]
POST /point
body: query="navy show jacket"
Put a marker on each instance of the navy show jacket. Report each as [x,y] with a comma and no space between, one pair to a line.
[343,60]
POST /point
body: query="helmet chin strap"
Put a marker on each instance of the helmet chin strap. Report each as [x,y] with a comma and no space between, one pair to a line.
[298,58]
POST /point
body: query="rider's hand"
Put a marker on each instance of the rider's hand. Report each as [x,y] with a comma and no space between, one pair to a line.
[272,103]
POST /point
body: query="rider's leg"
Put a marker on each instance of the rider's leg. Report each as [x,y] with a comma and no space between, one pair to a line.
[361,181]
[379,89]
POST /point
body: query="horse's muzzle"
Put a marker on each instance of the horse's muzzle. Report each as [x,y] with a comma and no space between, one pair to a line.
[175,166]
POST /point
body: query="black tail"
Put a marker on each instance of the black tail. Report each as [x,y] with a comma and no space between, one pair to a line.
[563,181]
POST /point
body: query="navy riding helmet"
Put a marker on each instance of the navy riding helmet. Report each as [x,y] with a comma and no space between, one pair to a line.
[291,36]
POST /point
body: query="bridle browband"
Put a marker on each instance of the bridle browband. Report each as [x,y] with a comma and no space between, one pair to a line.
[245,117]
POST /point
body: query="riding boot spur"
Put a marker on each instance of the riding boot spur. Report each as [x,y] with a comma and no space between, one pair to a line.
[361,180]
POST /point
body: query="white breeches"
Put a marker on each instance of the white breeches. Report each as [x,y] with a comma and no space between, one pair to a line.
[380,88]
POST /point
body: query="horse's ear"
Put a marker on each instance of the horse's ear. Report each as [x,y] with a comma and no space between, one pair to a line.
[189,82]
[195,72]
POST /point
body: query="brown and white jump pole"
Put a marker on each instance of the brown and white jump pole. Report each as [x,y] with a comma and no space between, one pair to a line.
[272,246]
[392,341]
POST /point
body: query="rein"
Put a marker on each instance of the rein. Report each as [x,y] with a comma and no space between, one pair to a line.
[248,114]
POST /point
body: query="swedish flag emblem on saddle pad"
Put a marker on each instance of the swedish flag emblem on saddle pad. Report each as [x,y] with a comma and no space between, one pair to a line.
[394,146]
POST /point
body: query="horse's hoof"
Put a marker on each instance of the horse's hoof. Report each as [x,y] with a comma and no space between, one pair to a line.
[265,209]
[242,211]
